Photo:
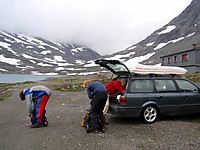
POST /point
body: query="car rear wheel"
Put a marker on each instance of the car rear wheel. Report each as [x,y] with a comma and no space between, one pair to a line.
[149,114]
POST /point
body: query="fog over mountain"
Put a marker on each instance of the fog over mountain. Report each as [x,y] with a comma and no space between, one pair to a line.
[107,26]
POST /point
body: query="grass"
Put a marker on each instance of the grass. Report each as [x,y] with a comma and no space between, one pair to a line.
[67,84]
[74,84]
[56,80]
[6,89]
[195,77]
[69,87]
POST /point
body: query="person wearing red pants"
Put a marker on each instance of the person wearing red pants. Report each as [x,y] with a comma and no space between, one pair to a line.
[36,98]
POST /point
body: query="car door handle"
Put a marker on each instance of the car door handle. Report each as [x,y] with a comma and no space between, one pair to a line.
[185,96]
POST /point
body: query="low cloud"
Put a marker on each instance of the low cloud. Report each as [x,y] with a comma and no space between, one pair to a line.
[106,26]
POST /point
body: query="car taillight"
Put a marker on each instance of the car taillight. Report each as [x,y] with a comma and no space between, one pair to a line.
[122,100]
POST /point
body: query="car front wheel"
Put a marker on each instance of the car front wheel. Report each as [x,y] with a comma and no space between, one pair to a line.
[149,114]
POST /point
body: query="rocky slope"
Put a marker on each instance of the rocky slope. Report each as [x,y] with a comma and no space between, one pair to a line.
[24,54]
[178,35]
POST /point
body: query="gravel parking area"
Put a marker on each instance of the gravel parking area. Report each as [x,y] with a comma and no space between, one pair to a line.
[64,112]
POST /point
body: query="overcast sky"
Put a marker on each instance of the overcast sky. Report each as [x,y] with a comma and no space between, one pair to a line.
[106,26]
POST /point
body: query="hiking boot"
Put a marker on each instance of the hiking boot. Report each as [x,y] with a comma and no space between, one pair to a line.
[92,130]
[102,129]
[106,123]
[87,129]
[37,125]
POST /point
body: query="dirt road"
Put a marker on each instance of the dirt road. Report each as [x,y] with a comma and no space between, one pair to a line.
[64,112]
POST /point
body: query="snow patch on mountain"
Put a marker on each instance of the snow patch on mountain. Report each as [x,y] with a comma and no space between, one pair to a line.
[3,70]
[190,34]
[44,65]
[11,61]
[136,60]
[160,45]
[150,44]
[179,39]
[121,57]
[45,52]
[167,30]
[59,59]
[90,64]
[131,47]
[29,57]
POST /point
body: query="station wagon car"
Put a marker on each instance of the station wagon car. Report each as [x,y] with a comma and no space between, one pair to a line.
[150,96]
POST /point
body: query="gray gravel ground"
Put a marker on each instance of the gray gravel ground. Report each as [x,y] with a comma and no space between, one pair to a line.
[64,112]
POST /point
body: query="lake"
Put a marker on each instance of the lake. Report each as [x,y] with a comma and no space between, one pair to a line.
[14,78]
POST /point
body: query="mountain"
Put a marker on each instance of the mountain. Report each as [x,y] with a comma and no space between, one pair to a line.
[178,35]
[24,54]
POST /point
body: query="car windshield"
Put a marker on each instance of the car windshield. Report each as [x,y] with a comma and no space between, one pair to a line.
[186,86]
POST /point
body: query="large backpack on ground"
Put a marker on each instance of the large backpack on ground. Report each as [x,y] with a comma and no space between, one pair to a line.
[86,120]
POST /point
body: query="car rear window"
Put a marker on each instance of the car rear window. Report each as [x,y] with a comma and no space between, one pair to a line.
[165,86]
[117,67]
[141,86]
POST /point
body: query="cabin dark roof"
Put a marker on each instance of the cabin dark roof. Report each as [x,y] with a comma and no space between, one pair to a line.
[172,54]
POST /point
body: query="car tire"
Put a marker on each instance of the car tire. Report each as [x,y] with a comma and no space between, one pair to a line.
[149,114]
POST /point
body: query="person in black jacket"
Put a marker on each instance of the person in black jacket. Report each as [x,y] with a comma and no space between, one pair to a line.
[98,95]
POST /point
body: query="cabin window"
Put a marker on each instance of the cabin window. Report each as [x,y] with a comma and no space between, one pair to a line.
[175,59]
[163,61]
[184,57]
[168,60]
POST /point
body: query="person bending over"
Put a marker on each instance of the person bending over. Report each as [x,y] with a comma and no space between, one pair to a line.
[36,99]
[98,95]
[114,88]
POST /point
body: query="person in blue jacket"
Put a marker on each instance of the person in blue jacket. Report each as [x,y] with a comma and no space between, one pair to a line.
[36,98]
[98,95]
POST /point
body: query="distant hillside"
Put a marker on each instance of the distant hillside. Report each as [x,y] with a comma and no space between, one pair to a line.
[24,54]
[178,35]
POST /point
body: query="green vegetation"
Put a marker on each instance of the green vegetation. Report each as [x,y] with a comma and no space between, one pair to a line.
[67,84]
[26,82]
[56,80]
[74,84]
[69,87]
[6,89]
[195,77]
